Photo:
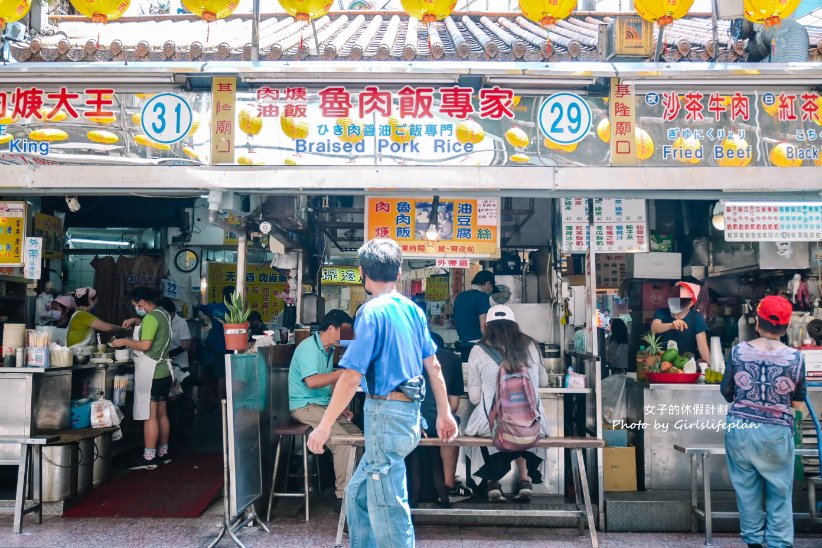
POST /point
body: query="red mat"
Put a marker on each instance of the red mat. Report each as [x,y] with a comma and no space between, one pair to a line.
[185,488]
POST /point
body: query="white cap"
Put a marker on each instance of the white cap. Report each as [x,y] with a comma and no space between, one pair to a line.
[499,312]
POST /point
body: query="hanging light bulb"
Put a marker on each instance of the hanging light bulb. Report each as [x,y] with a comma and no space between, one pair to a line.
[432,234]
[718,219]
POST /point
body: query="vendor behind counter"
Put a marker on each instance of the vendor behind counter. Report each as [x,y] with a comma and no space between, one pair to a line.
[682,323]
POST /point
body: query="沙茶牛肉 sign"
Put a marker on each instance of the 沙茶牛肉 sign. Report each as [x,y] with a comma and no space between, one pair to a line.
[773,221]
[461,227]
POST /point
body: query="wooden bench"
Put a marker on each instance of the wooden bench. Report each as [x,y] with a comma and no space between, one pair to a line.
[583,512]
[29,476]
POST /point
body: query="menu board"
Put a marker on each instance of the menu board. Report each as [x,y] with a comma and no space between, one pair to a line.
[620,238]
[266,289]
[619,210]
[437,288]
[620,225]
[340,275]
[575,210]
[773,221]
[12,232]
[465,227]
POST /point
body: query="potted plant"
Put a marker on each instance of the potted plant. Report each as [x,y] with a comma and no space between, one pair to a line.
[235,323]
[648,358]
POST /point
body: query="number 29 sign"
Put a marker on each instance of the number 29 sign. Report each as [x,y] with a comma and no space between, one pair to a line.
[167,118]
[565,118]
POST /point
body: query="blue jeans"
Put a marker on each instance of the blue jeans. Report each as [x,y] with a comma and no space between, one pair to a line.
[761,462]
[376,499]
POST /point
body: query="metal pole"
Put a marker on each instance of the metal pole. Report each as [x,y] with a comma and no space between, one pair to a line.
[255,32]
[299,300]
[242,253]
[714,8]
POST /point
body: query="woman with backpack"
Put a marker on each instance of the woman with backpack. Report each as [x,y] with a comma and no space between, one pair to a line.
[504,371]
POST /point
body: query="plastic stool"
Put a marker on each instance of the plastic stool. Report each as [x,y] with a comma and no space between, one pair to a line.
[291,430]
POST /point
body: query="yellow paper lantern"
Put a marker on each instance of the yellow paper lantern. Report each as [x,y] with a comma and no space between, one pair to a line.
[104,137]
[250,159]
[5,138]
[469,131]
[8,120]
[101,11]
[48,134]
[295,128]
[249,121]
[195,125]
[103,120]
[349,135]
[429,11]
[292,161]
[771,109]
[211,10]
[59,116]
[146,142]
[686,150]
[306,10]
[644,144]
[738,150]
[547,12]
[400,133]
[12,11]
[768,12]
[553,145]
[144,95]
[517,138]
[519,158]
[604,130]
[188,151]
[662,12]
[784,155]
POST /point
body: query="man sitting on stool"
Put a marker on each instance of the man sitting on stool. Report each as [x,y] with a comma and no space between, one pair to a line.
[310,379]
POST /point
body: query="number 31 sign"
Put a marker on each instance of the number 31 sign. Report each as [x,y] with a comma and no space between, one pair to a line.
[565,118]
[166,118]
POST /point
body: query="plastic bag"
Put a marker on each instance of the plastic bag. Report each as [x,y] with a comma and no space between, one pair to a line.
[177,382]
[614,406]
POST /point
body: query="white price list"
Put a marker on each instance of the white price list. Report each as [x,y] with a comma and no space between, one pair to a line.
[773,222]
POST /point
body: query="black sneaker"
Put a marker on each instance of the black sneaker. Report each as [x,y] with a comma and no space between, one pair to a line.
[459,493]
[524,491]
[165,459]
[144,464]
[495,492]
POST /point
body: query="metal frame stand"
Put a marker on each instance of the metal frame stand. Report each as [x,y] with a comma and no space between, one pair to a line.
[250,515]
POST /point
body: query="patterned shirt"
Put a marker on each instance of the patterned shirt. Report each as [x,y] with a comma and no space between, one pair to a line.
[762,384]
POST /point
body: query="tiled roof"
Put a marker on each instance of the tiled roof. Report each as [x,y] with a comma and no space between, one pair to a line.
[354,36]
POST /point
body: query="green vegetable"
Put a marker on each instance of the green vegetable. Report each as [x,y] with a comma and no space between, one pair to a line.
[680,362]
[670,355]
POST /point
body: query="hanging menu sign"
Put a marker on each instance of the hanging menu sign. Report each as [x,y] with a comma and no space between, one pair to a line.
[619,210]
[340,275]
[773,222]
[12,232]
[575,210]
[619,225]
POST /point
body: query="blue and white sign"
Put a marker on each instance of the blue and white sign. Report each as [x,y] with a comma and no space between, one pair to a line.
[565,118]
[167,118]
[171,288]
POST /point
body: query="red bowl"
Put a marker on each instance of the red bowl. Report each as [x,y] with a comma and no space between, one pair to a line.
[672,378]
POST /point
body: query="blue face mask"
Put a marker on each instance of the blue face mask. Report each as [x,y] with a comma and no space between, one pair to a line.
[140,311]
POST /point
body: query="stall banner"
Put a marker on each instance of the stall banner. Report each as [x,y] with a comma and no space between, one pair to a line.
[12,232]
[266,288]
[622,117]
[223,113]
[442,262]
[619,225]
[437,288]
[773,221]
[340,275]
[49,228]
[33,255]
[465,227]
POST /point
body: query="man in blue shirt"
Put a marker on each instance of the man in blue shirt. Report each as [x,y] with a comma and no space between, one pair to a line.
[470,308]
[310,379]
[392,347]
[215,340]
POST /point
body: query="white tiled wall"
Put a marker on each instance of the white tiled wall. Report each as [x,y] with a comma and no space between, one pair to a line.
[80,272]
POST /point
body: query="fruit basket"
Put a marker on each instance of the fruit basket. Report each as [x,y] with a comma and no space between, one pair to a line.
[672,378]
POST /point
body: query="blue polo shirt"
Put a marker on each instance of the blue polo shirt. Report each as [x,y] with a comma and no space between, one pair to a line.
[310,358]
[468,307]
[392,340]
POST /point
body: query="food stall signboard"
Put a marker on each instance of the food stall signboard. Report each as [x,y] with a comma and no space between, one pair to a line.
[466,228]
[266,288]
[12,232]
[49,228]
[619,226]
[773,221]
[622,117]
[33,257]
[340,275]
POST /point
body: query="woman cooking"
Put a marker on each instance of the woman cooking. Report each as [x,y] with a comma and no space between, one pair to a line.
[682,323]
[84,324]
[152,374]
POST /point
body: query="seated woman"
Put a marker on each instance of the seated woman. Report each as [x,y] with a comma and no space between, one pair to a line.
[518,351]
[616,348]
[84,324]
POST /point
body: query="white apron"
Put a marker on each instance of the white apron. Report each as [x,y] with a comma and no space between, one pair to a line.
[143,377]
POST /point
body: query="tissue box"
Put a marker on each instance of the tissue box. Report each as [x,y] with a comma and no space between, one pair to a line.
[615,438]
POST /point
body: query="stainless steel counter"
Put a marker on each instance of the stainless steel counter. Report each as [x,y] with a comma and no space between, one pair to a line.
[32,399]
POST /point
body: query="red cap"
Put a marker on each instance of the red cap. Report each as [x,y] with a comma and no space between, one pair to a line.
[776,310]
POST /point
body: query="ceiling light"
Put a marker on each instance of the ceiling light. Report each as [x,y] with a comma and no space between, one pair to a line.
[99,242]
[718,219]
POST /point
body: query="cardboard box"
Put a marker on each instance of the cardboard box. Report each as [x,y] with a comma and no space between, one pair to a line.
[655,295]
[619,468]
[615,438]
[655,266]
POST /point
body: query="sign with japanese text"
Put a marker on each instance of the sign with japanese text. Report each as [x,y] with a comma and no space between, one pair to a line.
[12,232]
[442,262]
[223,112]
[773,221]
[33,258]
[619,225]
[340,275]
[266,290]
[461,230]
[623,124]
[49,228]
[437,289]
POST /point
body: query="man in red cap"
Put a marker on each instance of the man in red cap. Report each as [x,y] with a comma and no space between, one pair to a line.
[682,323]
[764,382]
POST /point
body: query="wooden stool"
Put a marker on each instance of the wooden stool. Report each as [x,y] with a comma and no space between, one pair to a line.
[292,430]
